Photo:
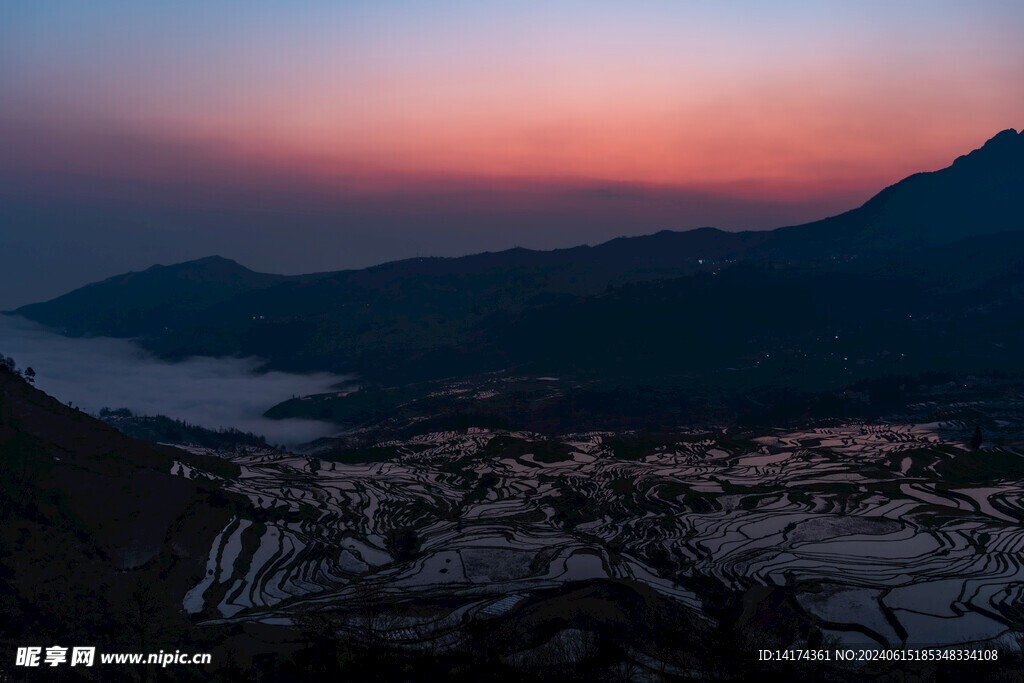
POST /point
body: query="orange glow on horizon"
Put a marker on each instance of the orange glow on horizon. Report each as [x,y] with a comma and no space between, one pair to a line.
[777,101]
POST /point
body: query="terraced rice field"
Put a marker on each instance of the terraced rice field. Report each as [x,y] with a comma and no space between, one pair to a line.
[890,534]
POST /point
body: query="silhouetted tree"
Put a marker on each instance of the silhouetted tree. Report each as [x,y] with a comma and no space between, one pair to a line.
[976,439]
[7,364]
[30,375]
[375,619]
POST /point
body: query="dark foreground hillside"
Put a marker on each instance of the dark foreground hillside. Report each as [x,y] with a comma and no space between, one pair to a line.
[98,540]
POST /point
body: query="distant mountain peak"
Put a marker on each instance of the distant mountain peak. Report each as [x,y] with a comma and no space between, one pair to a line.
[207,263]
[1003,136]
[132,304]
[1004,147]
[216,258]
[215,261]
[213,266]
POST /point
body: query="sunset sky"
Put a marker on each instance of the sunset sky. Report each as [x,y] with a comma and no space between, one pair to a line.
[314,135]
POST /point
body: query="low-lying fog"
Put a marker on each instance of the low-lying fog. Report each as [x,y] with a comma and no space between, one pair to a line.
[100,372]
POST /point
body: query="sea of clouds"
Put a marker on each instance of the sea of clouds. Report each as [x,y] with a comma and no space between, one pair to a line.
[101,372]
